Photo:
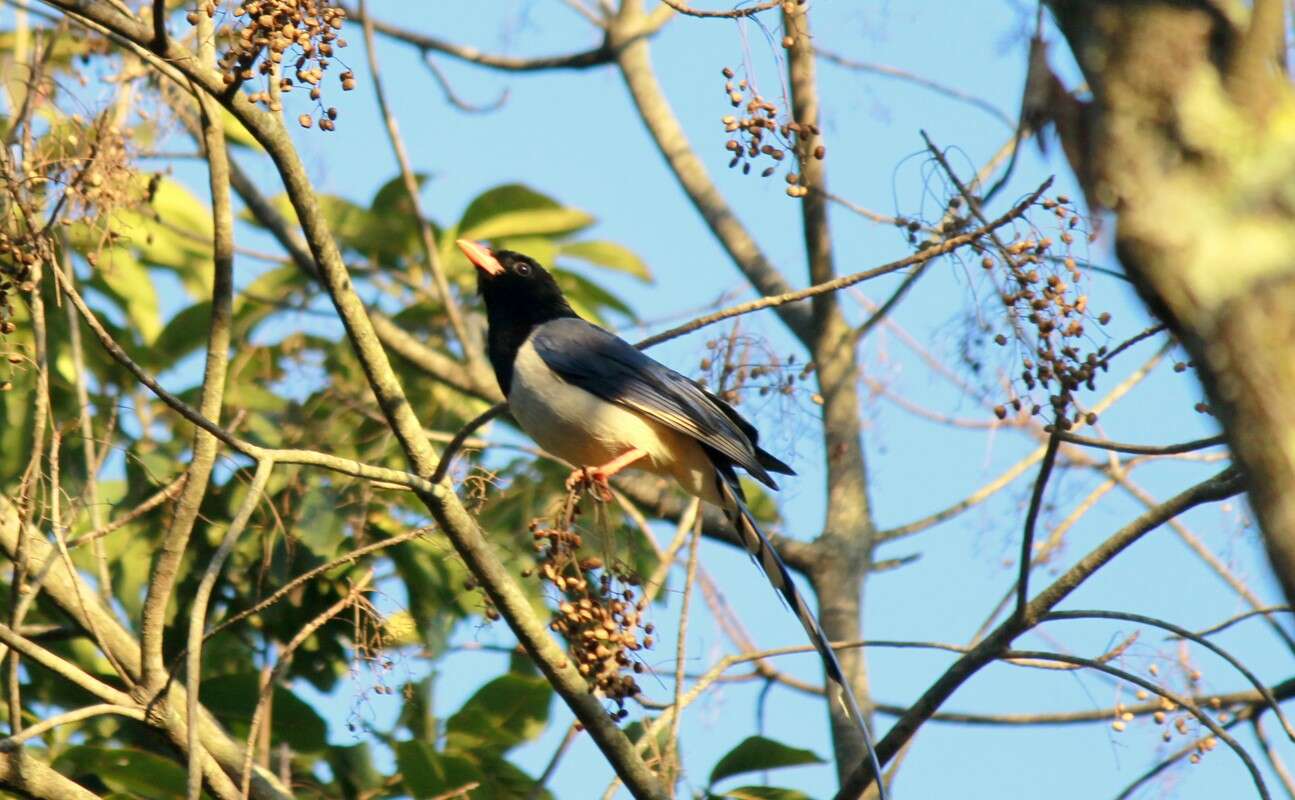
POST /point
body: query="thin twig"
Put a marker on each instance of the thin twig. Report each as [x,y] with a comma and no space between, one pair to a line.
[1239,617]
[1183,633]
[1143,449]
[156,499]
[918,80]
[284,659]
[198,617]
[1221,486]
[11,743]
[289,587]
[836,284]
[1274,759]
[736,13]
[426,235]
[671,765]
[1173,697]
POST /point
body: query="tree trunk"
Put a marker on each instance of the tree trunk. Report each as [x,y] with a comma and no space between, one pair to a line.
[1189,139]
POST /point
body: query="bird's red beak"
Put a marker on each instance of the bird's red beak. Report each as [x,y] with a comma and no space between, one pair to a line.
[481,257]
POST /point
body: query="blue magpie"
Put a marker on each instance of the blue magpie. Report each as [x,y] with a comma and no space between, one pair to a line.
[592,399]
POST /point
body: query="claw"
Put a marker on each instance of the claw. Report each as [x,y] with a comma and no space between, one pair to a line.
[596,478]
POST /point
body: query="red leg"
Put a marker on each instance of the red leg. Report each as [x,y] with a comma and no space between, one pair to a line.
[596,477]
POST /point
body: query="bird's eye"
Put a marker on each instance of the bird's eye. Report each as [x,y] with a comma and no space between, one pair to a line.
[522,268]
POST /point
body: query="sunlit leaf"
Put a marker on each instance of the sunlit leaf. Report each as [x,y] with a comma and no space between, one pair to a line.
[607,254]
[236,134]
[517,210]
[118,273]
[758,754]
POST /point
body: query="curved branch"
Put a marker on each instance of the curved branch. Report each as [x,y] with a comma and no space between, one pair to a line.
[1183,633]
[11,743]
[1172,697]
[1223,485]
[736,13]
[836,284]
[458,525]
[581,59]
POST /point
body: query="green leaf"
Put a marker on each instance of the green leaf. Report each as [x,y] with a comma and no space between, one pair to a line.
[128,282]
[588,298]
[392,198]
[236,134]
[133,772]
[760,793]
[319,526]
[184,333]
[428,773]
[756,753]
[181,209]
[502,714]
[517,210]
[353,770]
[232,698]
[610,255]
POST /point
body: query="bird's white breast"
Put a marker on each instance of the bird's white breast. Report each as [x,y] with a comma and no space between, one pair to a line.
[587,431]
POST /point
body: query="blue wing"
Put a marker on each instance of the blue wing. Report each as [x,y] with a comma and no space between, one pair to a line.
[609,367]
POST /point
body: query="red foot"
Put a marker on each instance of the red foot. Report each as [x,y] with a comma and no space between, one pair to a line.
[595,478]
[592,478]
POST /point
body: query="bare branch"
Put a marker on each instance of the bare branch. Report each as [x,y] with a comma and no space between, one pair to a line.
[11,743]
[836,284]
[736,13]
[428,238]
[889,71]
[1221,486]
[584,59]
[32,777]
[198,616]
[1143,449]
[166,564]
[1032,517]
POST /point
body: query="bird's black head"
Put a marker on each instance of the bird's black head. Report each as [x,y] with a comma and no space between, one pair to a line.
[519,295]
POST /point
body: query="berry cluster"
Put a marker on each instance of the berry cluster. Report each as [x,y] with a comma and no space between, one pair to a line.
[760,134]
[731,366]
[600,614]
[16,262]
[275,30]
[1048,313]
[1175,721]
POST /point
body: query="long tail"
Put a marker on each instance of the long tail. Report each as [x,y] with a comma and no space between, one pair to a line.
[763,552]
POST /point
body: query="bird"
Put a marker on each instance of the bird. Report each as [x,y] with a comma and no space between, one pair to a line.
[594,400]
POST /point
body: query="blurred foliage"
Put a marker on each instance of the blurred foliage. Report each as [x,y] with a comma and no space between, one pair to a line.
[142,256]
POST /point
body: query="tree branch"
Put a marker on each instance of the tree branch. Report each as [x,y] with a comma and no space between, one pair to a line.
[455,521]
[634,58]
[166,564]
[1221,486]
[836,284]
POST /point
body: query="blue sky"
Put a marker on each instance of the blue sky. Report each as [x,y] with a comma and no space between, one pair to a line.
[575,135]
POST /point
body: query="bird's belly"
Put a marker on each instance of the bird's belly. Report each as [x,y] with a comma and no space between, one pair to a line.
[587,431]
